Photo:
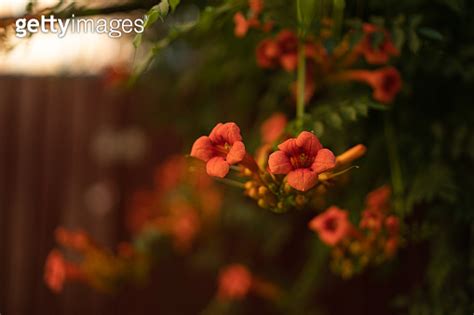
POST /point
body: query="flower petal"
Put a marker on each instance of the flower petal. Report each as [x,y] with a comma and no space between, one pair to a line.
[236,153]
[289,147]
[279,163]
[302,179]
[325,160]
[217,167]
[332,225]
[289,61]
[309,143]
[203,149]
[225,133]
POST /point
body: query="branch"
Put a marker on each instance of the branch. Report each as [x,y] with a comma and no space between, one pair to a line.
[72,9]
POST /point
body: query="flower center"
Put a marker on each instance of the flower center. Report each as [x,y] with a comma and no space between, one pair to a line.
[330,224]
[223,149]
[388,83]
[301,160]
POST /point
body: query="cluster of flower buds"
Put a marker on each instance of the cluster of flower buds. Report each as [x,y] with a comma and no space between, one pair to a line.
[375,240]
[95,266]
[286,178]
[236,282]
[253,19]
[165,209]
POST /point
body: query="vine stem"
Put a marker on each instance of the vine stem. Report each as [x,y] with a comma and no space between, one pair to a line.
[301,77]
[301,70]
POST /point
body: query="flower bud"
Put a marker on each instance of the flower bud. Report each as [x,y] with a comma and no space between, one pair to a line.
[300,200]
[249,184]
[247,172]
[253,193]
[287,188]
[262,191]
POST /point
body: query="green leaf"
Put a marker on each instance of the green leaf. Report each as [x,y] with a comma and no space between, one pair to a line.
[156,12]
[335,120]
[174,4]
[434,182]
[430,33]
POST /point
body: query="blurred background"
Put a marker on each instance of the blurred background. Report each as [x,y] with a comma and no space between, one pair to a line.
[77,142]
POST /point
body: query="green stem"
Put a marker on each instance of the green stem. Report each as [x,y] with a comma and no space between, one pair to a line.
[301,70]
[395,168]
[338,16]
[301,77]
[230,182]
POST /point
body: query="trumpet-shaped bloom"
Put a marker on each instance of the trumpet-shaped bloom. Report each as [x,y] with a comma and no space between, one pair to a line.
[256,6]
[385,82]
[376,53]
[379,199]
[273,128]
[302,159]
[235,282]
[288,44]
[241,25]
[55,271]
[222,148]
[332,226]
[267,53]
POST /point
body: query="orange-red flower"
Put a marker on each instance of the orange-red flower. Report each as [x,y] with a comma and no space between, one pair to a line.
[241,25]
[57,271]
[332,225]
[184,228]
[222,148]
[392,223]
[235,282]
[256,6]
[372,219]
[385,82]
[273,128]
[288,44]
[268,53]
[115,76]
[302,159]
[379,198]
[376,53]
[78,240]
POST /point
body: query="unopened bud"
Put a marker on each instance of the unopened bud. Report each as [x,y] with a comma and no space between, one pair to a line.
[249,184]
[247,172]
[262,203]
[262,190]
[253,193]
[287,188]
[300,200]
[355,248]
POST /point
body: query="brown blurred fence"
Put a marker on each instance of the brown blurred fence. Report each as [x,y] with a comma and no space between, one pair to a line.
[48,173]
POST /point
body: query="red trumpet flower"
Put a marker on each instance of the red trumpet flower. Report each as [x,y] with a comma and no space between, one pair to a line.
[385,82]
[379,53]
[222,148]
[302,159]
[332,225]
